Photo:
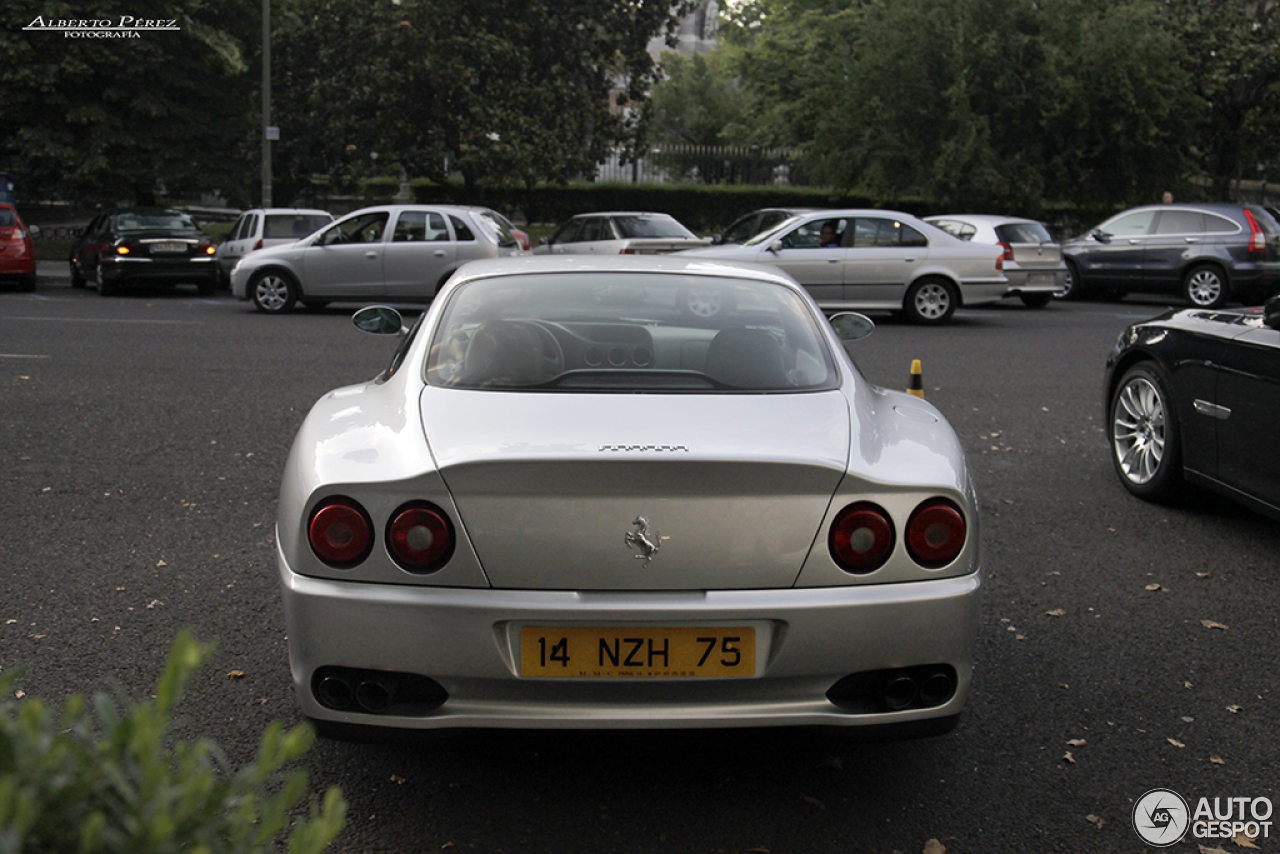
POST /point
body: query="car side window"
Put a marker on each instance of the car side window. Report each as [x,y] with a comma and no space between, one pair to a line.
[874,231]
[361,229]
[1136,224]
[234,232]
[461,231]
[595,228]
[568,232]
[1214,224]
[417,226]
[250,226]
[809,235]
[956,228]
[1180,222]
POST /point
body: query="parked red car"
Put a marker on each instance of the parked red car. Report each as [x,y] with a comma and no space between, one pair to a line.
[17,252]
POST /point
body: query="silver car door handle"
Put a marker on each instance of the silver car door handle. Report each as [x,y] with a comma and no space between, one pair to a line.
[439,253]
[908,260]
[1193,240]
[833,260]
[371,255]
[1133,241]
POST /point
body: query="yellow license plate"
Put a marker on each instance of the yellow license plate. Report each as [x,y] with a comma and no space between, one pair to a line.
[620,652]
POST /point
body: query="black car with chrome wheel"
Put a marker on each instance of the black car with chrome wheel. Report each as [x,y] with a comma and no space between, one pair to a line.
[1193,397]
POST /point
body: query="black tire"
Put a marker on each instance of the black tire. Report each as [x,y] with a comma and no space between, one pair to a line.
[1145,435]
[273,291]
[77,278]
[1035,300]
[207,288]
[1071,285]
[930,301]
[106,288]
[1205,286]
[27,283]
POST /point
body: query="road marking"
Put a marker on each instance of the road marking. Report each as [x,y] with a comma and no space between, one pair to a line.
[20,356]
[106,320]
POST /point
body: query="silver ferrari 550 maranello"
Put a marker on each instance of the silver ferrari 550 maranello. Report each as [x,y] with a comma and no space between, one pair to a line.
[578,497]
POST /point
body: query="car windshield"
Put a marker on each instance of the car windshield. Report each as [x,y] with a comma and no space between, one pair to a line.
[155,222]
[7,217]
[499,225]
[628,332]
[651,226]
[293,226]
[766,236]
[1023,232]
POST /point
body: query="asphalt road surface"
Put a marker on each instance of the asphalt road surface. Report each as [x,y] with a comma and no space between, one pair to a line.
[1124,646]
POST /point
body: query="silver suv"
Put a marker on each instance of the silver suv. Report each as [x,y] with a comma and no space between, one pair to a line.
[389,253]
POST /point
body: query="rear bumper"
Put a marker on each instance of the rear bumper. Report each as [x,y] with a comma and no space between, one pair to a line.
[1036,281]
[467,641]
[116,270]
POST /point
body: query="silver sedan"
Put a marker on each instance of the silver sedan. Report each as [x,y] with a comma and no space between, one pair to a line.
[620,233]
[568,502]
[395,253]
[874,259]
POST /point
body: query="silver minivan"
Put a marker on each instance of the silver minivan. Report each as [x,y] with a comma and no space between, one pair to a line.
[261,228]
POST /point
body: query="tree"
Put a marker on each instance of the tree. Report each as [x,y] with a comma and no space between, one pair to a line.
[107,119]
[697,102]
[500,98]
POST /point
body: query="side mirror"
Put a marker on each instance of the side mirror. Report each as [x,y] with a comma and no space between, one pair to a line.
[379,320]
[1271,312]
[775,246]
[1101,236]
[851,326]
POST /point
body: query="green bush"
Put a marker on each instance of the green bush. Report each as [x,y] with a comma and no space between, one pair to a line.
[107,782]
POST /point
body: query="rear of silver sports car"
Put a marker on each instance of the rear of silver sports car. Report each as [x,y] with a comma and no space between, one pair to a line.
[600,560]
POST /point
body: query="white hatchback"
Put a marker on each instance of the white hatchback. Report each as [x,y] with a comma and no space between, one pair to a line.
[1033,261]
[260,228]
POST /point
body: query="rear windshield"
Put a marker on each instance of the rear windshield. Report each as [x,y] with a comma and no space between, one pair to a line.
[628,332]
[293,226]
[160,221]
[499,225]
[651,226]
[7,217]
[1023,232]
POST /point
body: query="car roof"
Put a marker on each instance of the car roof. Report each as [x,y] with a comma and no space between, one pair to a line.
[622,213]
[674,264]
[270,211]
[991,219]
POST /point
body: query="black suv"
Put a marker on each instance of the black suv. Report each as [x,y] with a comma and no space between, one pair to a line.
[1209,253]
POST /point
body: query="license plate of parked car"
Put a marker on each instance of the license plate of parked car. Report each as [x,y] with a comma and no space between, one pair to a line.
[611,652]
[1040,279]
[169,247]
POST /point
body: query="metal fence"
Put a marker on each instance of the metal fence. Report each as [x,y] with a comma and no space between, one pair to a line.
[708,164]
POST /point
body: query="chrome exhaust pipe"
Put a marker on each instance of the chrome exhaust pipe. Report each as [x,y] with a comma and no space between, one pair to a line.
[375,693]
[900,692]
[336,693]
[936,689]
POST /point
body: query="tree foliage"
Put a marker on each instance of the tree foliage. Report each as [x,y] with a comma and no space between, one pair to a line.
[106,119]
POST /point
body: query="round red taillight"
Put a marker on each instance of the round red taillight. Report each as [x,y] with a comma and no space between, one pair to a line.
[340,532]
[420,537]
[935,533]
[861,538]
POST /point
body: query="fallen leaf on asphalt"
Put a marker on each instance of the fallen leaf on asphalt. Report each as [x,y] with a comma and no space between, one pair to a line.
[1064,686]
[1206,850]
[1202,575]
[1217,760]
[162,563]
[1175,742]
[1233,709]
[19,694]
[1056,612]
[1077,742]
[1187,685]
[1244,841]
[236,674]
[933,846]
[817,803]
[1096,820]
[1154,587]
[1068,757]
[1210,624]
[398,780]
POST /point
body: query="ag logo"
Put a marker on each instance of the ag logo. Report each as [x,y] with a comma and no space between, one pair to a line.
[1160,817]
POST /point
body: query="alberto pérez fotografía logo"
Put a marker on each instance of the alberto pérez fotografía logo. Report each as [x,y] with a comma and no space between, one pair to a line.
[1162,817]
[122,27]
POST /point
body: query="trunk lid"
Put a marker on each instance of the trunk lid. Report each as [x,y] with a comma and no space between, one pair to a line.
[562,491]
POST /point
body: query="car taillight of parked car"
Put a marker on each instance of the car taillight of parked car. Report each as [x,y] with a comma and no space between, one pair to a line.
[16,236]
[206,248]
[257,244]
[1257,238]
[936,533]
[129,247]
[1008,250]
[340,532]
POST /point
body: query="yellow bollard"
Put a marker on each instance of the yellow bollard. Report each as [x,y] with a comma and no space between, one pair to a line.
[917,381]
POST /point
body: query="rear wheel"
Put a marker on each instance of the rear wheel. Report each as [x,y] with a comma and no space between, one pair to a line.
[930,301]
[1144,434]
[1035,300]
[273,291]
[1071,283]
[77,278]
[106,287]
[1205,286]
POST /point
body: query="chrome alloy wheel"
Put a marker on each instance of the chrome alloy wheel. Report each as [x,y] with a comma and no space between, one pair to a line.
[272,293]
[1138,430]
[932,301]
[1205,287]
